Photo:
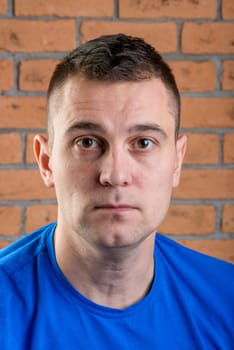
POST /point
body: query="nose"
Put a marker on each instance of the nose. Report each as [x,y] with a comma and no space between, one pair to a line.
[115,169]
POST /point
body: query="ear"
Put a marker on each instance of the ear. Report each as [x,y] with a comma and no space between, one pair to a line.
[42,155]
[181,144]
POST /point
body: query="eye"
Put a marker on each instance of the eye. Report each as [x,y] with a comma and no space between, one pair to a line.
[143,143]
[87,143]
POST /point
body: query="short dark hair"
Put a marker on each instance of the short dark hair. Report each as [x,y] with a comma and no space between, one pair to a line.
[117,58]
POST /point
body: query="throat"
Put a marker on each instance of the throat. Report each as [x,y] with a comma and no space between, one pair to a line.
[112,279]
[118,289]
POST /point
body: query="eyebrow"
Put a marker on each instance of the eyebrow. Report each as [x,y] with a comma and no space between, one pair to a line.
[92,126]
[83,125]
[148,127]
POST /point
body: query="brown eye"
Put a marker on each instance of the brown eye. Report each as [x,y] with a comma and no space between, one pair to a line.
[87,142]
[144,143]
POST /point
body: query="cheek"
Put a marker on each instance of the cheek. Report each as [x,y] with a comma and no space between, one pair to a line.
[63,173]
[158,175]
[79,176]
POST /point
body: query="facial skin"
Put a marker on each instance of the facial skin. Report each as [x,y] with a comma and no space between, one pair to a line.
[113,160]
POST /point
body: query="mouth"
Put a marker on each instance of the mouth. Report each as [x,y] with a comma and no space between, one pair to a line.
[120,208]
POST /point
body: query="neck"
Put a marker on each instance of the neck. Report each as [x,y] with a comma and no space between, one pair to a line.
[113,277]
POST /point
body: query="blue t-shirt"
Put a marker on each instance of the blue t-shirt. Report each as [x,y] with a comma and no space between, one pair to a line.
[189,306]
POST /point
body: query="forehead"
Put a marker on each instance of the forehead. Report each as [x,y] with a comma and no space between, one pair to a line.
[112,103]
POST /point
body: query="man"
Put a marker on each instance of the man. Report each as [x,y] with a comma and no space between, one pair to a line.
[100,278]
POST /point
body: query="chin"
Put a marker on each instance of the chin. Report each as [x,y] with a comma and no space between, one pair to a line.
[119,239]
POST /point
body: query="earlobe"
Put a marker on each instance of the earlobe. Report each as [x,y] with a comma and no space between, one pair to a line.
[42,155]
[180,153]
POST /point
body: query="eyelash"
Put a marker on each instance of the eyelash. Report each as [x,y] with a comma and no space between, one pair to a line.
[99,144]
[92,139]
[148,140]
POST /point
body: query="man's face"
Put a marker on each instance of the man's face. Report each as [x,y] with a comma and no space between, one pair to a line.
[113,160]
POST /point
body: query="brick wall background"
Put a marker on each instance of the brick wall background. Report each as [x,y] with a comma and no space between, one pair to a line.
[195,36]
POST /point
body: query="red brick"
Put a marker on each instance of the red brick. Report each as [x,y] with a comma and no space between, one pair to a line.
[10,220]
[189,219]
[37,35]
[228,218]
[10,148]
[39,215]
[202,149]
[161,35]
[206,184]
[23,185]
[227,9]
[164,9]
[207,38]
[4,244]
[29,154]
[219,248]
[35,74]
[204,112]
[22,112]
[228,75]
[194,76]
[3,6]
[101,8]
[228,147]
[6,74]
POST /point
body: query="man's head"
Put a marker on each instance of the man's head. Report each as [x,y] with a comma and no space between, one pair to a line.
[112,155]
[114,58]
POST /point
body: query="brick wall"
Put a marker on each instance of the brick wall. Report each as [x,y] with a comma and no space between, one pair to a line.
[195,36]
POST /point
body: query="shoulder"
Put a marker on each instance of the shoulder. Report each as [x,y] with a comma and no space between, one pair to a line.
[199,290]
[197,269]
[24,251]
[165,244]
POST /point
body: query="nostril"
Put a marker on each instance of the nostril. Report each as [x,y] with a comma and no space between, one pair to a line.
[115,169]
[106,183]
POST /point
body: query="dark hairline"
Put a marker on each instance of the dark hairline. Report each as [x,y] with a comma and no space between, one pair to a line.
[116,58]
[172,105]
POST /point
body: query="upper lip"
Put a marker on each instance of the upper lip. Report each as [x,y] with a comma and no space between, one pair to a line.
[115,206]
